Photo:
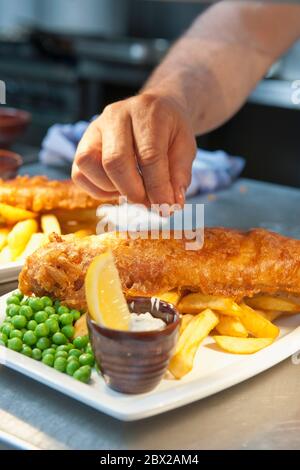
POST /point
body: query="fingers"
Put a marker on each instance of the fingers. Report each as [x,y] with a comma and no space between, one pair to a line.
[118,155]
[181,156]
[151,134]
[84,183]
[88,157]
[141,148]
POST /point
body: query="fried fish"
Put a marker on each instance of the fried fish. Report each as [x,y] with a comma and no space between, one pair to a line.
[231,263]
[39,194]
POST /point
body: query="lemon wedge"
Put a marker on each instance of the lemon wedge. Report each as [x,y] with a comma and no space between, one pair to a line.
[103,290]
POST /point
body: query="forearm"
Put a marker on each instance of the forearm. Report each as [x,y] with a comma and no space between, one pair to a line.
[211,70]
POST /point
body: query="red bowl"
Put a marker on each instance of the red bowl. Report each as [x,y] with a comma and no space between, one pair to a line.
[10,163]
[136,361]
[13,122]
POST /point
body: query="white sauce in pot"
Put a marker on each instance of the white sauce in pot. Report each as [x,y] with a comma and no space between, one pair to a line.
[145,322]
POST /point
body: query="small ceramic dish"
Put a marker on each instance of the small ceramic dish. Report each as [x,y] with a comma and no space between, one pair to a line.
[10,163]
[136,361]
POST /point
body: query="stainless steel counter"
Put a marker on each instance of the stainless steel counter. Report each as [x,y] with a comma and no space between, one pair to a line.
[261,413]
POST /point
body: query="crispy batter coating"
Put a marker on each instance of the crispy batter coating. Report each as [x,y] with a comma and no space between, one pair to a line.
[39,194]
[231,263]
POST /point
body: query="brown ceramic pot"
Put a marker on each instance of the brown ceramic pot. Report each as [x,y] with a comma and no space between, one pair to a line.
[13,122]
[10,163]
[135,362]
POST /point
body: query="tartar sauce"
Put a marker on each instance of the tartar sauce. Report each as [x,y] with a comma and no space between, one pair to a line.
[145,322]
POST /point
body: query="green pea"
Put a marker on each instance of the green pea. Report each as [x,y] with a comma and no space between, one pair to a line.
[75,353]
[2,343]
[52,325]
[69,346]
[54,346]
[40,316]
[62,347]
[54,316]
[18,294]
[7,310]
[86,359]
[89,349]
[19,322]
[37,354]
[47,301]
[83,374]
[68,331]
[31,325]
[7,328]
[59,338]
[62,309]
[13,310]
[50,310]
[16,334]
[61,354]
[76,314]
[13,299]
[49,351]
[43,343]
[66,319]
[26,311]
[26,350]
[3,338]
[24,301]
[81,342]
[15,344]
[35,303]
[48,359]
[29,338]
[60,364]
[72,366]
[42,330]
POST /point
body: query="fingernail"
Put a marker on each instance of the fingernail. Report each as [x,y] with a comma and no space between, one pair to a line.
[181,195]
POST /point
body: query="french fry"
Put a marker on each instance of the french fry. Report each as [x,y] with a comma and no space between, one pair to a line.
[185,320]
[257,324]
[270,315]
[268,302]
[35,242]
[83,233]
[5,255]
[172,297]
[50,224]
[231,326]
[12,215]
[3,237]
[195,332]
[81,327]
[19,236]
[242,345]
[194,303]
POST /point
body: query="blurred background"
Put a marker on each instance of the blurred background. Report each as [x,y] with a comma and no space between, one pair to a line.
[64,60]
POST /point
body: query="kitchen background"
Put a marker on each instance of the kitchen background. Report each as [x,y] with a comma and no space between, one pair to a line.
[64,60]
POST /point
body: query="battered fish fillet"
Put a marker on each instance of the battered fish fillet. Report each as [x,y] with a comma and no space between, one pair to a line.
[231,263]
[39,194]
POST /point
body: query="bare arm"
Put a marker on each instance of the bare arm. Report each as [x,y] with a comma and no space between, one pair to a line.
[212,69]
[203,80]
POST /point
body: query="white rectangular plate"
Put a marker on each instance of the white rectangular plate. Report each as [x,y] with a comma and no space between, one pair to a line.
[10,271]
[213,371]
